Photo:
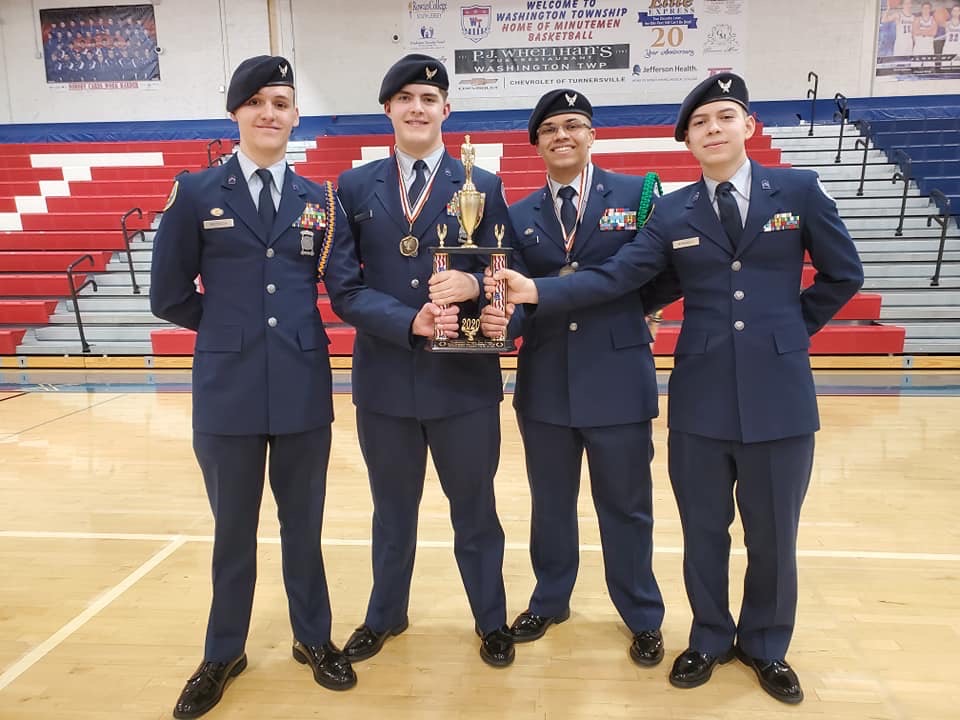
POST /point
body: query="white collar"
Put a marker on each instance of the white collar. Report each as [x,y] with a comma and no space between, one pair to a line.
[248,167]
[406,161]
[740,181]
[555,186]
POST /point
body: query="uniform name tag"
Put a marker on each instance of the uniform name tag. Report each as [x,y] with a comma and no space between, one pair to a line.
[685,243]
[214,224]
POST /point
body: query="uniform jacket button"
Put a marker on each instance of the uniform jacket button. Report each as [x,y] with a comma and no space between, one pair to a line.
[272,322]
[270,252]
[415,283]
[739,325]
[271,288]
[573,327]
[736,265]
[738,295]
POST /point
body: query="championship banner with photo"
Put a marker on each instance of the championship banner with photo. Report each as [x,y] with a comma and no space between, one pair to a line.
[919,40]
[652,51]
[104,47]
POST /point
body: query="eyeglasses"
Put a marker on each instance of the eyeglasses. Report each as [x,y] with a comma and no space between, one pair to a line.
[570,127]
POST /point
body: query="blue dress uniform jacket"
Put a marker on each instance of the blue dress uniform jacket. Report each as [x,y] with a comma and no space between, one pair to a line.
[593,366]
[586,381]
[410,400]
[261,383]
[393,373]
[742,368]
[261,364]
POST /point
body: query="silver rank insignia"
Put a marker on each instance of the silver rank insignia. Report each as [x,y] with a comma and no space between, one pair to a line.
[306,242]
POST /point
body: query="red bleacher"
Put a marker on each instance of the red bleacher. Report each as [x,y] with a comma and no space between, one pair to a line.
[33,260]
[177,341]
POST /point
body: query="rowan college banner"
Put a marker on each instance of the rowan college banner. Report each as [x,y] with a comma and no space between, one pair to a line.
[650,51]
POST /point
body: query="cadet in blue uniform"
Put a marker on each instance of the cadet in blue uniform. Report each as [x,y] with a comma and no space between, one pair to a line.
[585,381]
[742,407]
[253,230]
[409,400]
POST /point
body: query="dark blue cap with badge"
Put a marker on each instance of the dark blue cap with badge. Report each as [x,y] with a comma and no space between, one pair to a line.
[255,73]
[414,69]
[722,86]
[558,102]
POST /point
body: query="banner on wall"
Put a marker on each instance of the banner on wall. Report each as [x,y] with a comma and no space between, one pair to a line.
[654,50]
[100,48]
[919,40]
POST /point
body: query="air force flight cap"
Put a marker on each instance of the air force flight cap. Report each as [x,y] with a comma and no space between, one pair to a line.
[413,69]
[722,86]
[255,73]
[558,102]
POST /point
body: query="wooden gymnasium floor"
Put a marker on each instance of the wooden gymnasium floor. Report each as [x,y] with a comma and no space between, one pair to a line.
[105,553]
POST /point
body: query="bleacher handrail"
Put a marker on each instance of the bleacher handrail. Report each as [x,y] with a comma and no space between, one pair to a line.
[127,236]
[863,142]
[211,161]
[74,292]
[812,95]
[843,114]
[941,218]
[904,174]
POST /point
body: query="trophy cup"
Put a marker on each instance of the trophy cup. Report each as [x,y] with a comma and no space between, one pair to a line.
[468,201]
[468,204]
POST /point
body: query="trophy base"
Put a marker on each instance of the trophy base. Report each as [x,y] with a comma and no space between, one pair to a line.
[461,345]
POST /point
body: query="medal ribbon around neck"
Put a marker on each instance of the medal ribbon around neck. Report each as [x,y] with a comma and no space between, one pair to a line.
[568,238]
[411,213]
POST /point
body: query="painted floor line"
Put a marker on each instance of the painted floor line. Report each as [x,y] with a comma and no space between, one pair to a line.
[39,652]
[448,544]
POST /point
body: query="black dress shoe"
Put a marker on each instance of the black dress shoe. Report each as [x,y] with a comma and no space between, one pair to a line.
[366,642]
[647,648]
[205,687]
[529,626]
[496,647]
[331,668]
[776,677]
[693,668]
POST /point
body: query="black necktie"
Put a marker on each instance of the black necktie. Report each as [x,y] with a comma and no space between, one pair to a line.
[265,205]
[568,211]
[729,212]
[420,168]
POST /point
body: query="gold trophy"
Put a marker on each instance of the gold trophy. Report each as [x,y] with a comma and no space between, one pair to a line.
[468,201]
[468,205]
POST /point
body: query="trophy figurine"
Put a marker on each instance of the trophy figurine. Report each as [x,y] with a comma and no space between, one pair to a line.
[468,201]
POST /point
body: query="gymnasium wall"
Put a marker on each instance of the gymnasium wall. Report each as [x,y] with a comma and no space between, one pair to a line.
[340,49]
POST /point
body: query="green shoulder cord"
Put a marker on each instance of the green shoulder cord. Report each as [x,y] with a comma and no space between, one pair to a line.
[651,182]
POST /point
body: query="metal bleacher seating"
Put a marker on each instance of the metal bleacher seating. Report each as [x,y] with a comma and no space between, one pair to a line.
[932,146]
[899,255]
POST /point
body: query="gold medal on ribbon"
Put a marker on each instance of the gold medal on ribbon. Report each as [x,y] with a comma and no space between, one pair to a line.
[567,270]
[409,246]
